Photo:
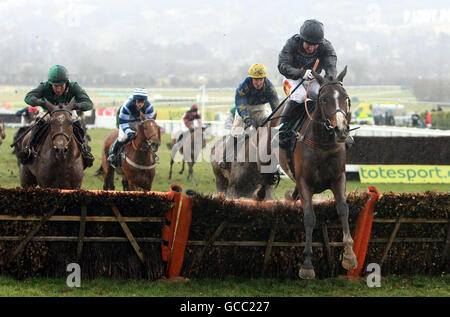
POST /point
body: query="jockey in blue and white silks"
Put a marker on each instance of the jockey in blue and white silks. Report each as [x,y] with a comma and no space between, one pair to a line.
[128,119]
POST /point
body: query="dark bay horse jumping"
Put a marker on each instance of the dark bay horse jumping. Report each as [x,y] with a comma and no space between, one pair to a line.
[58,163]
[138,166]
[190,147]
[319,164]
[242,178]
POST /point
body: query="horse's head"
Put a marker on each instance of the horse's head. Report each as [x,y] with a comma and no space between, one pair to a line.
[149,135]
[334,106]
[61,129]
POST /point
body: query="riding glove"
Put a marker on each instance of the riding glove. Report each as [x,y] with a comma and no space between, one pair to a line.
[308,75]
[131,136]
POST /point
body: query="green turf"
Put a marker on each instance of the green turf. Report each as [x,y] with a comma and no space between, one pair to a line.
[391,286]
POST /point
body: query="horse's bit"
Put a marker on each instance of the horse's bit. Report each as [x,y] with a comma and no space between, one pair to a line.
[69,138]
[327,117]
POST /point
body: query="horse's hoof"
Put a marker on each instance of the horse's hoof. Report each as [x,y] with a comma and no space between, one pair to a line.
[288,195]
[306,274]
[260,194]
[350,262]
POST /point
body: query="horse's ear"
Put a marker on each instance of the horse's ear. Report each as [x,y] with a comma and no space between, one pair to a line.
[50,107]
[341,76]
[71,104]
[142,116]
[319,78]
[156,113]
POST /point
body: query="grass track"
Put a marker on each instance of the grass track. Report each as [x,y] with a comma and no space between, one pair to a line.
[392,286]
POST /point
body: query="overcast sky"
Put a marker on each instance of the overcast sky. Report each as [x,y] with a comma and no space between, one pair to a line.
[229,29]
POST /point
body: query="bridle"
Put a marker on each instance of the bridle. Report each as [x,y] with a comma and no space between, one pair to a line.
[69,138]
[326,120]
[153,146]
[326,117]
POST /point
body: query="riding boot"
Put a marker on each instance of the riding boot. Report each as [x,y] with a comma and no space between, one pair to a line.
[286,133]
[25,156]
[230,142]
[112,158]
[88,158]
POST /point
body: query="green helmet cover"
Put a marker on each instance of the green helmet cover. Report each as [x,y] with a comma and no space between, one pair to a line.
[58,75]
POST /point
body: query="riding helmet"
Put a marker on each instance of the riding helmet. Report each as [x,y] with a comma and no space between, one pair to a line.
[58,75]
[257,71]
[312,32]
[140,94]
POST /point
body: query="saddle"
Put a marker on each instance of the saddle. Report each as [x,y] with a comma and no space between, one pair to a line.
[298,129]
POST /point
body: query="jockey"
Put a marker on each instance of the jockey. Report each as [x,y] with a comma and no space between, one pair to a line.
[295,62]
[250,100]
[191,115]
[129,118]
[27,114]
[58,89]
[189,119]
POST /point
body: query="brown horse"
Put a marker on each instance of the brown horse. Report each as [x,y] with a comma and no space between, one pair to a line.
[243,178]
[138,160]
[58,163]
[319,164]
[190,147]
[2,131]
[240,178]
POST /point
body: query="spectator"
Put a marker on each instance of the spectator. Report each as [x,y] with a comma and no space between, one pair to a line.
[427,121]
[415,120]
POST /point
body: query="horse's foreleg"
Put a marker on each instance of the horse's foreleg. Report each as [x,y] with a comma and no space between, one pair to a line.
[125,184]
[191,171]
[309,221]
[108,178]
[182,168]
[131,187]
[26,177]
[349,261]
[170,169]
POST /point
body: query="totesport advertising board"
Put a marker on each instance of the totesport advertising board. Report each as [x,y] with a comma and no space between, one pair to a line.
[412,174]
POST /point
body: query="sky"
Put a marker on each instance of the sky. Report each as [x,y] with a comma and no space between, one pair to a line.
[236,31]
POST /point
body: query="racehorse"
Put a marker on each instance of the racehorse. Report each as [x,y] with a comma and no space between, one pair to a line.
[58,163]
[190,147]
[243,178]
[2,131]
[138,159]
[319,164]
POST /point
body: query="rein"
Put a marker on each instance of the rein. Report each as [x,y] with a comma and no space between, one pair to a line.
[69,138]
[326,121]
